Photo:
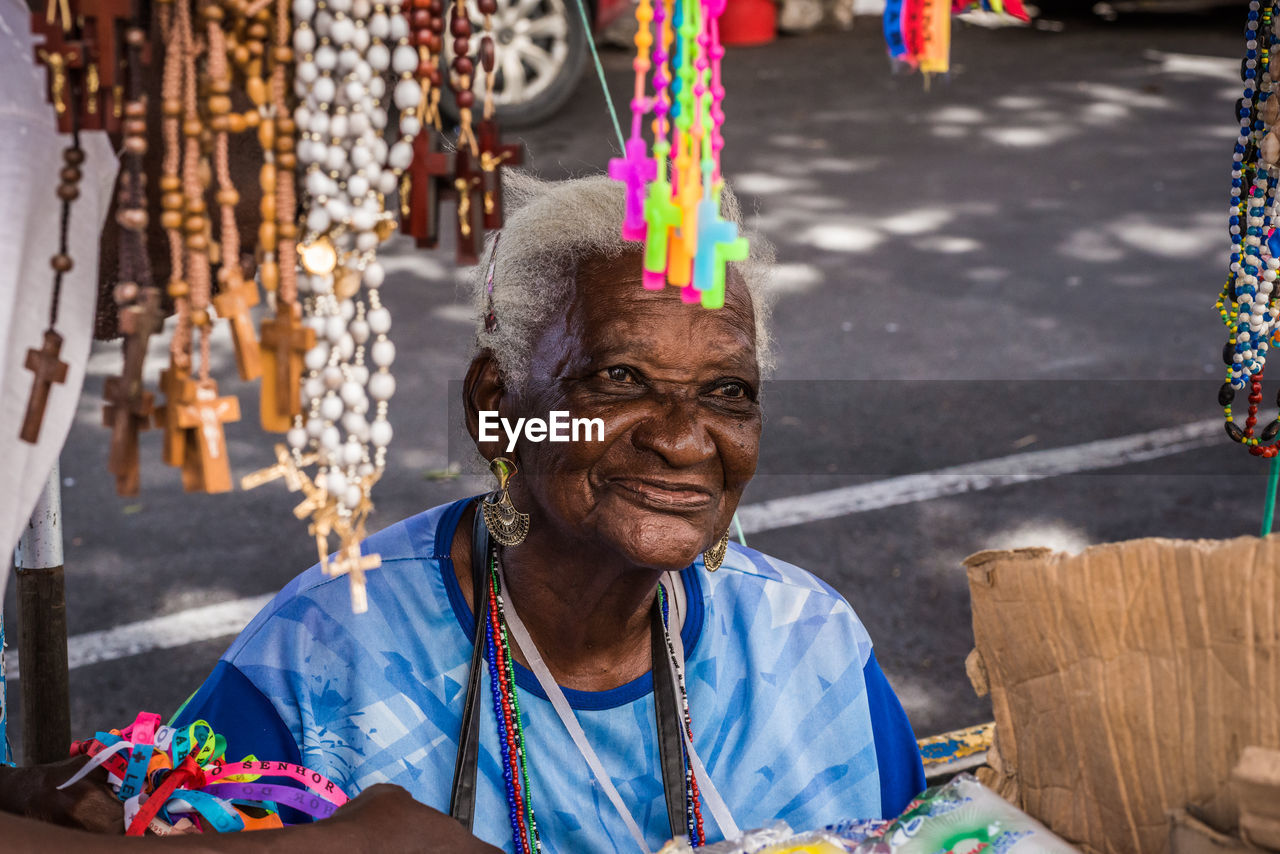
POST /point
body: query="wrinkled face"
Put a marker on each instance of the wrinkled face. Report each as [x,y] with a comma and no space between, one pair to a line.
[676,386]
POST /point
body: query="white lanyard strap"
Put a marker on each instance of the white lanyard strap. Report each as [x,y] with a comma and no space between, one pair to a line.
[707,788]
[557,698]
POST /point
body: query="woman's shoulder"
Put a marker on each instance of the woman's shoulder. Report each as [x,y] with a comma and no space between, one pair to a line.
[764,595]
[408,576]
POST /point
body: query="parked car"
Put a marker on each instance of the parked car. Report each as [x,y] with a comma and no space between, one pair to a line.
[541,53]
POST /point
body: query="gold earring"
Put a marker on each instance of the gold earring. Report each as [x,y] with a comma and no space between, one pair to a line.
[506,524]
[714,556]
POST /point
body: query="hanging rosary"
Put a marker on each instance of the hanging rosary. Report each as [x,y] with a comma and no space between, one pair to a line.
[673,196]
[918,32]
[1246,304]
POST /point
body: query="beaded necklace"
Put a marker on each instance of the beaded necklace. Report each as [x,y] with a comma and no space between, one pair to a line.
[511,742]
[1245,303]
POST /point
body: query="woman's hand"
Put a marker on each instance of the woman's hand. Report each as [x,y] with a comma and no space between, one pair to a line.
[89,804]
[385,818]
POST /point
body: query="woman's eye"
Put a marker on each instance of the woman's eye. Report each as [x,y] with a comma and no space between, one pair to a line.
[619,374]
[732,390]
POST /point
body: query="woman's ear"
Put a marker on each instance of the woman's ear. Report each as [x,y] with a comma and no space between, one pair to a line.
[482,394]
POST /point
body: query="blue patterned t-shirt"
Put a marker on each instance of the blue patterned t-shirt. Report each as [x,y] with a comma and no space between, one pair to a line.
[791,713]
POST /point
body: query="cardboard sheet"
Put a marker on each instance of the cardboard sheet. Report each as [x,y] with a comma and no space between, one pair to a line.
[1126,681]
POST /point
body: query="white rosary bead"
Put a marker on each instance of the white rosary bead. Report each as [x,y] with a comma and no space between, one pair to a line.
[346,348]
[360,9]
[409,124]
[383,352]
[307,72]
[334,329]
[363,220]
[297,438]
[400,30]
[348,59]
[380,434]
[332,378]
[317,221]
[382,386]
[323,22]
[379,319]
[338,210]
[367,241]
[347,308]
[331,408]
[326,58]
[303,9]
[379,26]
[322,285]
[354,90]
[352,496]
[356,426]
[304,40]
[378,88]
[342,30]
[407,94]
[315,427]
[361,157]
[339,126]
[317,356]
[313,387]
[379,57]
[404,60]
[335,481]
[323,90]
[360,41]
[387,183]
[343,6]
[353,395]
[358,186]
[359,124]
[360,330]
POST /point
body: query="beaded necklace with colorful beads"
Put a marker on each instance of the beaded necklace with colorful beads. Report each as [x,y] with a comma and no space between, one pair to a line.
[511,743]
[1246,303]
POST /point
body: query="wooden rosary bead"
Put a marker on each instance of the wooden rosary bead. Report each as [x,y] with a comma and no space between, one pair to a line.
[125,292]
[136,145]
[255,49]
[419,19]
[288,230]
[287,160]
[135,110]
[463,65]
[466,99]
[170,184]
[269,273]
[171,200]
[227,197]
[487,7]
[69,175]
[434,76]
[194,225]
[135,37]
[171,220]
[424,69]
[134,126]
[197,242]
[282,54]
[195,206]
[459,26]
[287,127]
[434,42]
[436,7]
[461,46]
[220,85]
[252,118]
[61,262]
[212,12]
[236,123]
[219,105]
[258,31]
[256,90]
[178,289]
[220,124]
[73,156]
[267,207]
[200,317]
[267,237]
[68,192]
[267,135]
[267,175]
[284,144]
[192,128]
[241,55]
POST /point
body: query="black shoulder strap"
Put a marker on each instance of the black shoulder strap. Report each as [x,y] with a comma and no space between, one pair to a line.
[462,800]
[666,707]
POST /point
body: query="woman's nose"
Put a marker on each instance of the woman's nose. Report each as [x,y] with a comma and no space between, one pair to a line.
[675,430]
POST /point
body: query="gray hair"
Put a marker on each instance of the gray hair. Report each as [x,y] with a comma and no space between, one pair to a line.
[551,228]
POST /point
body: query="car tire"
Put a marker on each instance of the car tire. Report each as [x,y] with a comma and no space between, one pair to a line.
[558,46]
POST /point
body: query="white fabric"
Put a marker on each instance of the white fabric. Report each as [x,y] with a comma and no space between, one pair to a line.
[30,159]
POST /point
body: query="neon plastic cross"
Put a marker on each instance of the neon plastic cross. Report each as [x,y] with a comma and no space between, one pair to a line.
[635,170]
[718,243]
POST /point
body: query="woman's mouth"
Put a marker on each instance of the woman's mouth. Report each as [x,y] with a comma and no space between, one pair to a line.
[660,494]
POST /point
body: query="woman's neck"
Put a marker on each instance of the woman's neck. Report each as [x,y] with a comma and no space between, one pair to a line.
[589,618]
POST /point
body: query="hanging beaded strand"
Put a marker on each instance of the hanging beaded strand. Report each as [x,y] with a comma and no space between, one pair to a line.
[1245,303]
[697,834]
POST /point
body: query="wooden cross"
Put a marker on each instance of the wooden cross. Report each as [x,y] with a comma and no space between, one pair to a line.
[178,389]
[493,156]
[426,178]
[468,186]
[49,369]
[238,295]
[106,23]
[294,477]
[128,412]
[285,342]
[64,56]
[352,563]
[204,417]
[635,170]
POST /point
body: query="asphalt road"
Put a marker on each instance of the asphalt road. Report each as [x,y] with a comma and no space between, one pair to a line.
[1018,258]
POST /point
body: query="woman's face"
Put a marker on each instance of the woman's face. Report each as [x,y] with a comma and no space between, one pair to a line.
[676,386]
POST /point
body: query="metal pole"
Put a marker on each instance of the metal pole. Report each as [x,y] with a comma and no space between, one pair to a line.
[42,631]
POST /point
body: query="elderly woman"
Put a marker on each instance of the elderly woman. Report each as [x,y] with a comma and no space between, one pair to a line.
[631,677]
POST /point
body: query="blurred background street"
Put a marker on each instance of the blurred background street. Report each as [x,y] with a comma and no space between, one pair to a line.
[995,329]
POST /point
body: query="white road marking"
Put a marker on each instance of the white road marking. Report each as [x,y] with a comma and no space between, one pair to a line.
[228,618]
